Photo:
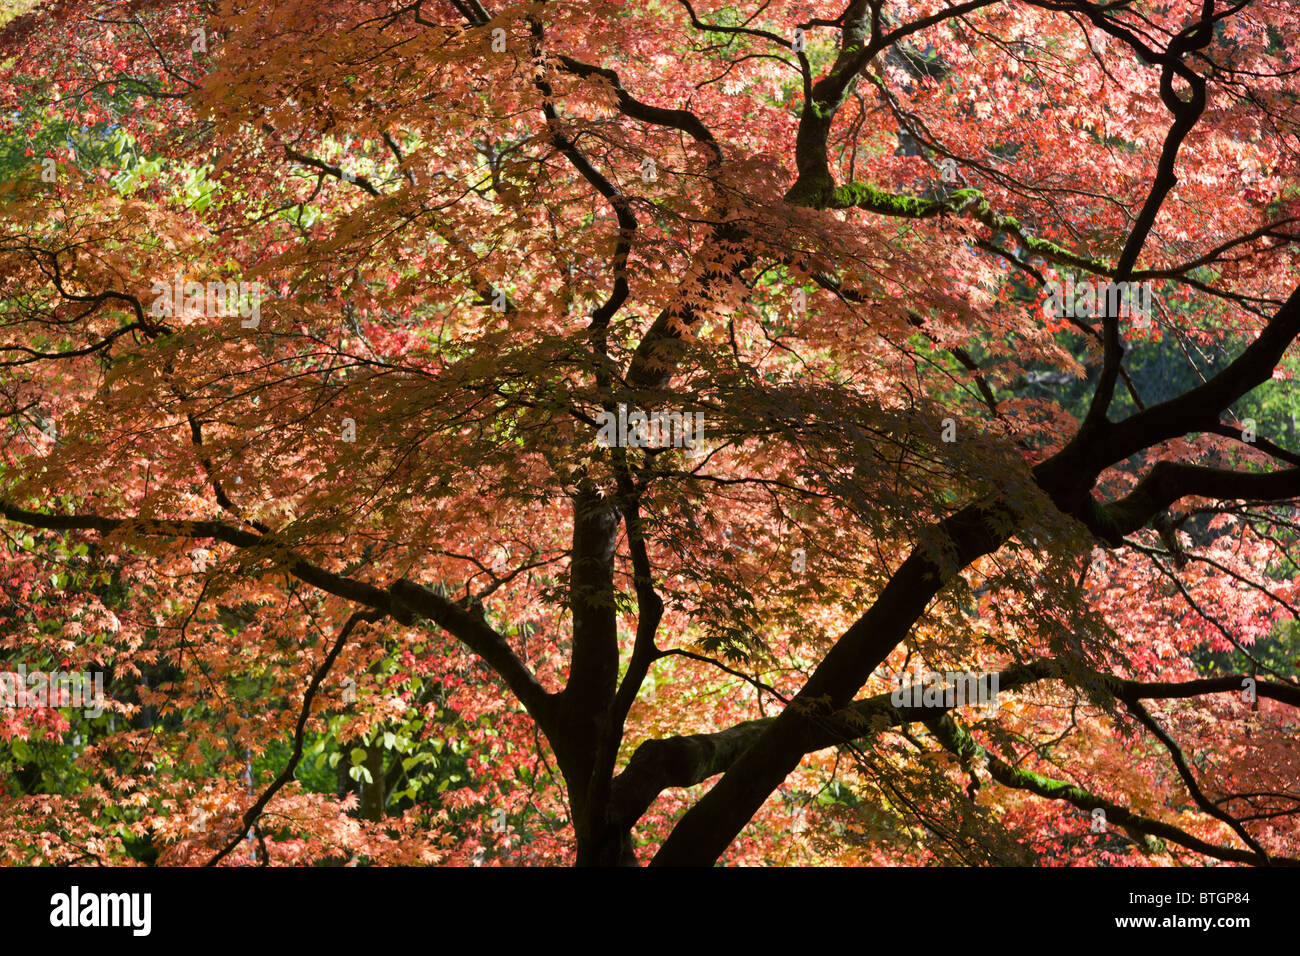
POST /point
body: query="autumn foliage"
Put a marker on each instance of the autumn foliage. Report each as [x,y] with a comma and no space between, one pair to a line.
[365,587]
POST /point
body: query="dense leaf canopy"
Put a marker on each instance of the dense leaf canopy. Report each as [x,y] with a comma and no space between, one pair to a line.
[326,332]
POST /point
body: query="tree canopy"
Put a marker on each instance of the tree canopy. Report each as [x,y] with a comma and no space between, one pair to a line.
[577,432]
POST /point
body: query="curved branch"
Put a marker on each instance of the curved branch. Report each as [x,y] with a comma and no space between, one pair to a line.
[405,601]
[958,740]
[299,734]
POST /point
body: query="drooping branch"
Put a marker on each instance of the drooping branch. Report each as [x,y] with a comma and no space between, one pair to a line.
[404,601]
[299,735]
[469,627]
[685,761]
[1189,779]
[958,740]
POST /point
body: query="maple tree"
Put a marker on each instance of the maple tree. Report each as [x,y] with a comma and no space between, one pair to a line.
[315,319]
